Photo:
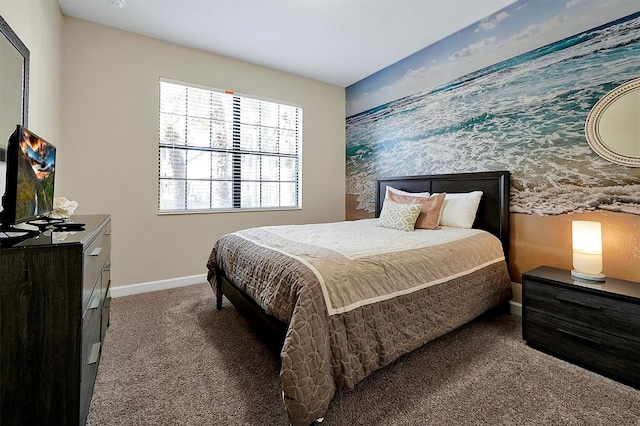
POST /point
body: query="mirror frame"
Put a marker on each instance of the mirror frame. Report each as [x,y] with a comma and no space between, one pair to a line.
[15,41]
[592,125]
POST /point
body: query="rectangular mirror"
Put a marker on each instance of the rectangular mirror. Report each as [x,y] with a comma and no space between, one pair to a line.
[14,84]
[14,89]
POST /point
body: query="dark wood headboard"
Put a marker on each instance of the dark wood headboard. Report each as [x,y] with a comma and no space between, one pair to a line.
[493,212]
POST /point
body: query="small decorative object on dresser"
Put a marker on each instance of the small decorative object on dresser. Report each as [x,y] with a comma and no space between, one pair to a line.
[63,208]
[596,326]
[54,298]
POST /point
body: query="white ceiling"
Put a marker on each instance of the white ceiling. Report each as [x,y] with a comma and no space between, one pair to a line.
[335,41]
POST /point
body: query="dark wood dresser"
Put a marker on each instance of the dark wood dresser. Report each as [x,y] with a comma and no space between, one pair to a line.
[54,310]
[594,325]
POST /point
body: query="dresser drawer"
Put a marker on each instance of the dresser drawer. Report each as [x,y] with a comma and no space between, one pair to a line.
[105,278]
[95,257]
[106,296]
[598,312]
[106,311]
[605,352]
[91,348]
[91,326]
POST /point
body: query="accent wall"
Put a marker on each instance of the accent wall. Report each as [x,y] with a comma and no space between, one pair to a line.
[511,92]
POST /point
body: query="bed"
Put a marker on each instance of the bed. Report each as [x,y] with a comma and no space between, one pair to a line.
[328,304]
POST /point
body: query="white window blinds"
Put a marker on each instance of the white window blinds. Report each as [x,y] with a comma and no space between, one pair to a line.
[223,151]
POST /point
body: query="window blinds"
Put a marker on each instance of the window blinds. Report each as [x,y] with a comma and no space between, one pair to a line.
[222,151]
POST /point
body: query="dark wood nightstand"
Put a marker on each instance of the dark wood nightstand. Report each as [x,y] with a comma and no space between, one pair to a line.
[594,325]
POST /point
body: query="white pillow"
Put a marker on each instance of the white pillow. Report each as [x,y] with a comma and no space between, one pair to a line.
[405,193]
[459,210]
[398,216]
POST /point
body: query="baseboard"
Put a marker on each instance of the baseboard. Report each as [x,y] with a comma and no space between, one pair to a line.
[515,308]
[128,290]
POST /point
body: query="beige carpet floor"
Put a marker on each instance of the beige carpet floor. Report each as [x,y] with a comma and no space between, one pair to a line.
[170,358]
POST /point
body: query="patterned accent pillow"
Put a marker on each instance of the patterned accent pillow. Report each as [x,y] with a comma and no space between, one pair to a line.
[398,215]
[430,208]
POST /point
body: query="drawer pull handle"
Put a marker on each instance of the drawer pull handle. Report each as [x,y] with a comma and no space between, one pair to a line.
[579,337]
[95,301]
[575,302]
[96,252]
[95,353]
[107,233]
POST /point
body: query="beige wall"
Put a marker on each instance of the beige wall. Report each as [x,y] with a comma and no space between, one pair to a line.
[109,163]
[38,23]
[546,240]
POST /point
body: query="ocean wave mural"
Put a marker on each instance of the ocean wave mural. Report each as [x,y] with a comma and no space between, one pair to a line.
[509,93]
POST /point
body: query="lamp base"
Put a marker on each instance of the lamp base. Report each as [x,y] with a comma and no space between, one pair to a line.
[587,276]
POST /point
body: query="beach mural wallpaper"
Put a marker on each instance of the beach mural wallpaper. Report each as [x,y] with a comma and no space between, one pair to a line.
[510,92]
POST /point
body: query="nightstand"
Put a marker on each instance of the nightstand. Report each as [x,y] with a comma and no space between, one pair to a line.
[594,325]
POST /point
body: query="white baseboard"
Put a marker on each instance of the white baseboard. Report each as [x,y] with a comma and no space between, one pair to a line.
[515,308]
[128,290]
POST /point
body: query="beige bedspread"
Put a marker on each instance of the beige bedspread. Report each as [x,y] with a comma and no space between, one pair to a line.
[356,296]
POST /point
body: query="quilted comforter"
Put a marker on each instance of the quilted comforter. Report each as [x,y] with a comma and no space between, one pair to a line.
[356,296]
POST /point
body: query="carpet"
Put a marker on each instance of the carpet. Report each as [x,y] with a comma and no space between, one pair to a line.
[170,358]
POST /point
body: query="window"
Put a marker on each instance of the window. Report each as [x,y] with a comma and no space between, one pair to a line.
[220,151]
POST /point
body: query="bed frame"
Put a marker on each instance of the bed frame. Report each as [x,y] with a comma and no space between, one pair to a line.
[492,216]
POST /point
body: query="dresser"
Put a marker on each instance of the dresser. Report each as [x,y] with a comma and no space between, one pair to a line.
[593,325]
[54,311]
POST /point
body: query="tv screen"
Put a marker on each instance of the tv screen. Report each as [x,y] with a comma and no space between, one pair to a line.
[30,177]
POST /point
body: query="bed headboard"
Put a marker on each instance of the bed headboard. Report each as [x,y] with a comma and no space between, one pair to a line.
[493,212]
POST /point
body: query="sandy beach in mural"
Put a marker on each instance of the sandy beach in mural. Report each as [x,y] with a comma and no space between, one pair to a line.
[525,115]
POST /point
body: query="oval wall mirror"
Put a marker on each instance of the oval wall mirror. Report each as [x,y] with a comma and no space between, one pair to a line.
[613,125]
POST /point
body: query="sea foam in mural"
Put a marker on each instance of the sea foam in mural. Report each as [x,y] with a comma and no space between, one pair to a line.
[525,114]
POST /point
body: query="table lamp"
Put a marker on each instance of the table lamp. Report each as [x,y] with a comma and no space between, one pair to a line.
[587,250]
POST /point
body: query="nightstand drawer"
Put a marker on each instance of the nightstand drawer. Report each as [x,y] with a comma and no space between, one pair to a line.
[602,351]
[598,312]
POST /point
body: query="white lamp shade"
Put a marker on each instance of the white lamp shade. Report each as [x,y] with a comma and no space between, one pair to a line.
[587,247]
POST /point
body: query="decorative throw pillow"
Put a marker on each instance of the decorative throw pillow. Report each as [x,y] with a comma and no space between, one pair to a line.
[392,190]
[398,215]
[459,210]
[429,208]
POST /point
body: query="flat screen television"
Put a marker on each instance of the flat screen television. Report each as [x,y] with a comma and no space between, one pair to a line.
[30,178]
